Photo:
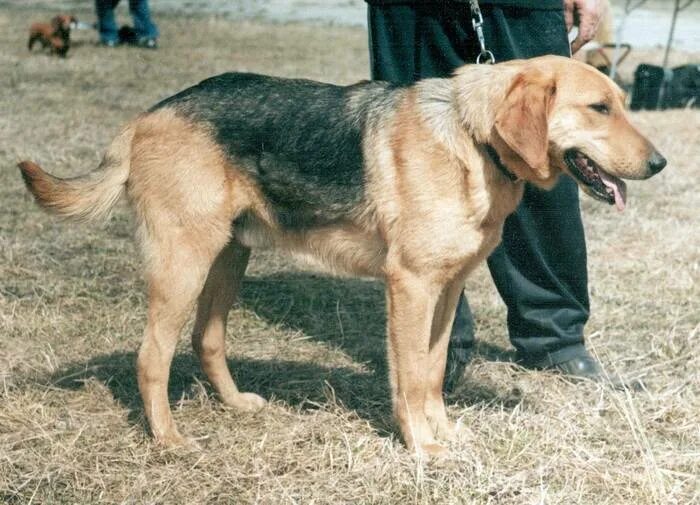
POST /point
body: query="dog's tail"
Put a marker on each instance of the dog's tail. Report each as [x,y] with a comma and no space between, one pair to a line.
[87,197]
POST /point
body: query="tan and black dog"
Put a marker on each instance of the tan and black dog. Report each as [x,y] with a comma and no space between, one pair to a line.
[54,35]
[410,184]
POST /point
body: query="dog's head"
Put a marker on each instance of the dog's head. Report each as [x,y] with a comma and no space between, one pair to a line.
[560,115]
[63,23]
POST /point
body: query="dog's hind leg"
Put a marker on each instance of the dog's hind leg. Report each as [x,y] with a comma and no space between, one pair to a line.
[219,294]
[176,274]
[184,206]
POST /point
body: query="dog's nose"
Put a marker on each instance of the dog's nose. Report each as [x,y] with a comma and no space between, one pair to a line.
[656,163]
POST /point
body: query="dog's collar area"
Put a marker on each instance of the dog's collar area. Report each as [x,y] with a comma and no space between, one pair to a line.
[499,164]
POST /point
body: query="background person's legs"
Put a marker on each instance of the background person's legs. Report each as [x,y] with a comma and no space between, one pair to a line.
[106,22]
[143,24]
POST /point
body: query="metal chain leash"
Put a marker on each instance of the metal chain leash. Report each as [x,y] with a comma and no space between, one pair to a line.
[485,56]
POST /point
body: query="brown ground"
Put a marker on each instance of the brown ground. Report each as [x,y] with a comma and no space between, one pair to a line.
[72,313]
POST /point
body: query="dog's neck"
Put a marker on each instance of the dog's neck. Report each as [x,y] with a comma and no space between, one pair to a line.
[477,91]
[465,103]
[496,159]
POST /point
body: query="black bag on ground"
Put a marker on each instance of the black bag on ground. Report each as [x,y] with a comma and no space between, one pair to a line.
[653,89]
[684,88]
[647,86]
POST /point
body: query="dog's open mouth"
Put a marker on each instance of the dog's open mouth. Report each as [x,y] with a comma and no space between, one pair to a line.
[595,181]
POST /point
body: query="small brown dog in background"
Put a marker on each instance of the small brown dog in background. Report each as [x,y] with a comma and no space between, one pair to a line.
[55,34]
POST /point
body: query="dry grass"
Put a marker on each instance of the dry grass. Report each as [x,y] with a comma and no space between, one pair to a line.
[72,312]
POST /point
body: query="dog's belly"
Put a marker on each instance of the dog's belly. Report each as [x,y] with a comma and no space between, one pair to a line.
[340,249]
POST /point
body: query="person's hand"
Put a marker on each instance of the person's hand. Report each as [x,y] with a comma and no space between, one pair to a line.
[586,15]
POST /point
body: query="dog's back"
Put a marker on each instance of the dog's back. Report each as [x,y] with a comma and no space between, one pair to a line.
[299,140]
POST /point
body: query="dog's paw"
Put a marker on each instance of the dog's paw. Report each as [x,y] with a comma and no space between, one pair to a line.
[442,427]
[171,439]
[445,430]
[246,402]
[433,451]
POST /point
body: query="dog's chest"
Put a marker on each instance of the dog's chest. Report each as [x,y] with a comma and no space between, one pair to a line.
[474,225]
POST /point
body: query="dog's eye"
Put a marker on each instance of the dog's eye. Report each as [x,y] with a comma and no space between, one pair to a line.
[600,107]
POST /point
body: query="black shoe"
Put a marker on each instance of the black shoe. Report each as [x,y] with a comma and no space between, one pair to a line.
[582,366]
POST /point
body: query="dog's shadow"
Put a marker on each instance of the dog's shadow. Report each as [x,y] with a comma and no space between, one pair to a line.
[347,315]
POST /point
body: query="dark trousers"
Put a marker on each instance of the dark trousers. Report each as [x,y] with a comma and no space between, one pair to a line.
[540,267]
[140,13]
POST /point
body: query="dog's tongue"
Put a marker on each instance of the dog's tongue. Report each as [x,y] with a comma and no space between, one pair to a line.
[618,187]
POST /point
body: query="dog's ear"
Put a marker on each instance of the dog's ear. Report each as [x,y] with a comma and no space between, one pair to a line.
[521,121]
[61,22]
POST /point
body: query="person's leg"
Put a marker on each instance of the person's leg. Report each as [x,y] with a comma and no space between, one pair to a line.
[391,32]
[540,268]
[408,43]
[459,351]
[106,23]
[144,26]
[540,272]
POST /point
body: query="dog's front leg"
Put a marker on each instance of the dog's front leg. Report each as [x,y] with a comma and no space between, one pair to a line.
[437,358]
[411,301]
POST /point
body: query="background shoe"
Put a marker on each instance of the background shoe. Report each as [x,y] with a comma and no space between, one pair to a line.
[147,43]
